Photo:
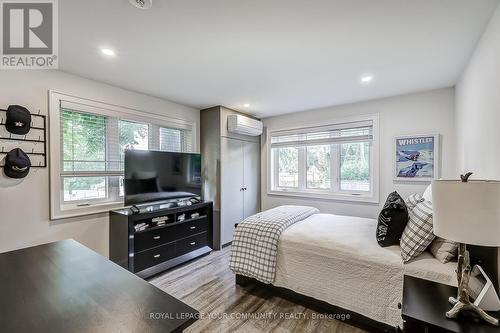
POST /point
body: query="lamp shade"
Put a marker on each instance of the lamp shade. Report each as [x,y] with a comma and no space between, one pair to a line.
[467,212]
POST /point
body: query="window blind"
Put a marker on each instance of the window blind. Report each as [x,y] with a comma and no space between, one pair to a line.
[84,144]
[172,139]
[342,133]
[94,144]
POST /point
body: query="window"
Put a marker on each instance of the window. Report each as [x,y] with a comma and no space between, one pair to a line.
[355,166]
[288,170]
[91,146]
[336,161]
[318,161]
[83,138]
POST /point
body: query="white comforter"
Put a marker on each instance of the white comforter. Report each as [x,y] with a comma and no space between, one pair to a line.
[336,259]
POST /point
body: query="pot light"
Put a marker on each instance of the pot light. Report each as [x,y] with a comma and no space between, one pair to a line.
[365,79]
[142,4]
[246,105]
[108,52]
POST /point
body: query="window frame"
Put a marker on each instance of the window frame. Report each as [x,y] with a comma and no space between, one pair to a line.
[58,208]
[334,193]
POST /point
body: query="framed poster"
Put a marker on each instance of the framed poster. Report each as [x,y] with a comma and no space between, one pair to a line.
[416,157]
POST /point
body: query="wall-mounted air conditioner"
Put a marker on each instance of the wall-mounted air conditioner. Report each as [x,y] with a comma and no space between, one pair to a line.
[244,125]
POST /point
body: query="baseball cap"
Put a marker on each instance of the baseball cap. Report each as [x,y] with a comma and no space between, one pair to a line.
[17,164]
[18,120]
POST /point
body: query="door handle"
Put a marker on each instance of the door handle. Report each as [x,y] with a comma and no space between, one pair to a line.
[156,256]
[156,237]
[192,228]
[192,243]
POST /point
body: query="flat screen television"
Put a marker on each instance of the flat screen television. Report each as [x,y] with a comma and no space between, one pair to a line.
[158,176]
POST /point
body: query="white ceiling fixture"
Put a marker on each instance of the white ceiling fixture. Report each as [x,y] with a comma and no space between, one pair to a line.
[366,79]
[288,55]
[142,4]
[108,52]
[246,105]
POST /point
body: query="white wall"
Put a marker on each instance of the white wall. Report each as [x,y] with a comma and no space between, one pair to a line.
[422,113]
[478,107]
[24,206]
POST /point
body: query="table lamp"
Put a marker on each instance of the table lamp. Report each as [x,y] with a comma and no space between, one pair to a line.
[467,212]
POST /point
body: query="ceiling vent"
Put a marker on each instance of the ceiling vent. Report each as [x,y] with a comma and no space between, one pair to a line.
[244,125]
[142,4]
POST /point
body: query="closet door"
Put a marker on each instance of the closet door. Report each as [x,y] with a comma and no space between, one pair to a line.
[251,178]
[231,187]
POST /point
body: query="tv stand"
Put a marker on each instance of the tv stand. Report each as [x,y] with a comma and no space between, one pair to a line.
[159,236]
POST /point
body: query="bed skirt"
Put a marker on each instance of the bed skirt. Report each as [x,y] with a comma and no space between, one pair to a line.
[355,319]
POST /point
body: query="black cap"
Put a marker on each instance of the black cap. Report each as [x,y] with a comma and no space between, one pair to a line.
[18,120]
[17,164]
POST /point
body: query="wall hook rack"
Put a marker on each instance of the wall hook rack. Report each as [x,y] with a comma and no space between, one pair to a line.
[30,141]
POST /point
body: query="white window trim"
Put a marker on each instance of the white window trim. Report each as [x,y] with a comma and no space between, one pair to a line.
[372,197]
[59,211]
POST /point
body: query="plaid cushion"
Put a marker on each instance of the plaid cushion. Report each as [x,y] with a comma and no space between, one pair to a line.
[413,200]
[418,233]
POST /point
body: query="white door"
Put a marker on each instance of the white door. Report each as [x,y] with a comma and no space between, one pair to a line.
[231,187]
[251,178]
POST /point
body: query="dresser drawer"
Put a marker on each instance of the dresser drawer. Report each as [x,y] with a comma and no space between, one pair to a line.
[153,238]
[155,256]
[169,233]
[192,243]
[191,228]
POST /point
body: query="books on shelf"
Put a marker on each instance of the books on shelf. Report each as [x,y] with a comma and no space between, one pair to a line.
[160,219]
[141,226]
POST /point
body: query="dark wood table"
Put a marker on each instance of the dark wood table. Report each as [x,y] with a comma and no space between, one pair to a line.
[425,304]
[66,287]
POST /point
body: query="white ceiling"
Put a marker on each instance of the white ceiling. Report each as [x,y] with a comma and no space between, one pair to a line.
[279,56]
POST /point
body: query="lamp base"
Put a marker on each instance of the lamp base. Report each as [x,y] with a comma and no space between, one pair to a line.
[460,307]
[462,303]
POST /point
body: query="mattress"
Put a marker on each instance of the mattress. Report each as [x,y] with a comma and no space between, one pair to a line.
[336,259]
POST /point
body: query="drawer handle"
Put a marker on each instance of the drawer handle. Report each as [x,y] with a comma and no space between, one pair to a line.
[156,256]
[156,237]
[192,243]
[192,228]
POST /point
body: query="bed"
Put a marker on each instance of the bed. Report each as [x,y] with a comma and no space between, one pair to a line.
[336,260]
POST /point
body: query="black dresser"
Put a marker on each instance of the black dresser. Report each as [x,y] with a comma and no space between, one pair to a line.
[169,235]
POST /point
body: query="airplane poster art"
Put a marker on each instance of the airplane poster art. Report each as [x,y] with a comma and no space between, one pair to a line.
[416,157]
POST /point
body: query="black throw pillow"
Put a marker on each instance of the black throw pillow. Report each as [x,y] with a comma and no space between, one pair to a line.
[392,220]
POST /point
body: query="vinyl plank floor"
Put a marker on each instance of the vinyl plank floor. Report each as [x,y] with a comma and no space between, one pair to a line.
[208,285]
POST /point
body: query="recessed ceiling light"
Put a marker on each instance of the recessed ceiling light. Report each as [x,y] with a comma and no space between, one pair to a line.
[108,52]
[142,4]
[365,79]
[246,105]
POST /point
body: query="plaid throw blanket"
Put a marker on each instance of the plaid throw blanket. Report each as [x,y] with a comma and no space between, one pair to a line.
[255,241]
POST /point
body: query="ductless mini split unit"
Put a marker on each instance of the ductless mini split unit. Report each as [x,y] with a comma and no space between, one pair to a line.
[240,124]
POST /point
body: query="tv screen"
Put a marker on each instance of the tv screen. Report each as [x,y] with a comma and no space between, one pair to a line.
[158,176]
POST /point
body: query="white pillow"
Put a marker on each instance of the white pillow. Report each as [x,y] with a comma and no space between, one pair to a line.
[428,193]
